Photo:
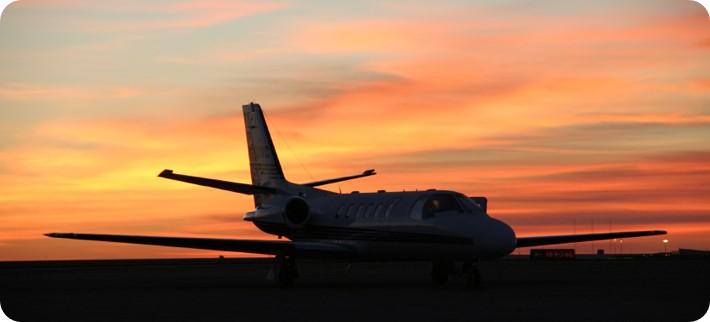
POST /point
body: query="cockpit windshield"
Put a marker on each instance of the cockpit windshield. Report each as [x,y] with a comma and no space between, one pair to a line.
[443,203]
[469,204]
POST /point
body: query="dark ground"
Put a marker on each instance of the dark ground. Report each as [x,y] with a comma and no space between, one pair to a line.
[662,289]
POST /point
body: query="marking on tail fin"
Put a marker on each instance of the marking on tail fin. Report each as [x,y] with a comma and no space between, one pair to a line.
[264,162]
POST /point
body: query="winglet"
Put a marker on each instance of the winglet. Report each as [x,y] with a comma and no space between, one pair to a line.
[366,173]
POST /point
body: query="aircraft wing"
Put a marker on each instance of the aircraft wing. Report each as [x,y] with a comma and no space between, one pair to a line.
[564,239]
[244,188]
[268,247]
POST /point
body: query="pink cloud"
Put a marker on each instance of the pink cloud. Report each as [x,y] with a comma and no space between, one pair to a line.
[34,92]
[191,14]
[549,116]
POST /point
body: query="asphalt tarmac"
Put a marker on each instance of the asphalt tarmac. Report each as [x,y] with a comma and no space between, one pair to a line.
[658,289]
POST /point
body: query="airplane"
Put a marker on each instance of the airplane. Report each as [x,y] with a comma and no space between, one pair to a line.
[440,226]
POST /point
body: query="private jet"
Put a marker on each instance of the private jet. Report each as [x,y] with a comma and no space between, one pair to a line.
[444,227]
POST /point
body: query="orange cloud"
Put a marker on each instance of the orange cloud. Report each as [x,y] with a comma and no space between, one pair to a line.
[33,92]
[533,191]
[555,117]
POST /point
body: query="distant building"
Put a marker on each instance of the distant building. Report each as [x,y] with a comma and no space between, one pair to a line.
[693,252]
[552,254]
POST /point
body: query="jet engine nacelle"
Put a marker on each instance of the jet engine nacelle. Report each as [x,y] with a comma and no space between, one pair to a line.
[292,211]
[296,213]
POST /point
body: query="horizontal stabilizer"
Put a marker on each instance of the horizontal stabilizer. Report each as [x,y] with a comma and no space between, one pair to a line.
[366,173]
[564,239]
[244,188]
[269,247]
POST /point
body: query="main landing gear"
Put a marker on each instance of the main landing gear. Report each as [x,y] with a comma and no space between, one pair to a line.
[285,270]
[440,271]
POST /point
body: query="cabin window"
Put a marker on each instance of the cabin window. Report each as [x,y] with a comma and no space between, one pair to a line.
[340,212]
[369,213]
[417,209]
[379,210]
[390,207]
[360,211]
[351,211]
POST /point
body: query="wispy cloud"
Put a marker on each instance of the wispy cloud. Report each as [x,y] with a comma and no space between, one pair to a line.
[34,92]
[136,15]
[553,110]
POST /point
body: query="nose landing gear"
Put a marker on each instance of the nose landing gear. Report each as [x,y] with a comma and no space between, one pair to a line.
[440,271]
[473,276]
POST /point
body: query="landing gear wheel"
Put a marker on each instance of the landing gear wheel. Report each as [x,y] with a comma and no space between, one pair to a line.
[440,272]
[286,269]
[473,276]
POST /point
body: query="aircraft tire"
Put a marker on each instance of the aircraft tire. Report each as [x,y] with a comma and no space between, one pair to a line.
[440,272]
[287,271]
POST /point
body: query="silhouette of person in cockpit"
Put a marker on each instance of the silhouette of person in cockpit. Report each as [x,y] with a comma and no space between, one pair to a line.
[432,206]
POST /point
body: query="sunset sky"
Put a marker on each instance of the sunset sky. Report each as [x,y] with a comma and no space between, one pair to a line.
[568,115]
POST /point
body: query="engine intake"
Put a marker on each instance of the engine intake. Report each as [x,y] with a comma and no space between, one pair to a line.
[296,213]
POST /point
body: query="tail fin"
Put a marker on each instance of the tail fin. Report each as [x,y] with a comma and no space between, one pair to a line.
[264,162]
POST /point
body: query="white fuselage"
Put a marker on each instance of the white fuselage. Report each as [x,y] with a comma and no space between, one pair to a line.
[393,225]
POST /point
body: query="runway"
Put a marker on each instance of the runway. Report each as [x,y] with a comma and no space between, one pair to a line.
[663,289]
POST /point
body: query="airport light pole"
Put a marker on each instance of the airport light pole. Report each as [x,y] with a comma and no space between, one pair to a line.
[665,244]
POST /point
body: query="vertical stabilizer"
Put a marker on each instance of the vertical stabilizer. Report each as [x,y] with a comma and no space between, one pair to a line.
[264,163]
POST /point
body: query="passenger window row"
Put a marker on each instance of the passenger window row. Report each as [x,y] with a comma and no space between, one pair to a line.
[369,210]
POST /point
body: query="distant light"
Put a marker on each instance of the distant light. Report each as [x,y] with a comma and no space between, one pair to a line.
[665,240]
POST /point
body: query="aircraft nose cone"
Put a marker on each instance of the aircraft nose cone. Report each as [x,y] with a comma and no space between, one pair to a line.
[508,239]
[499,240]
